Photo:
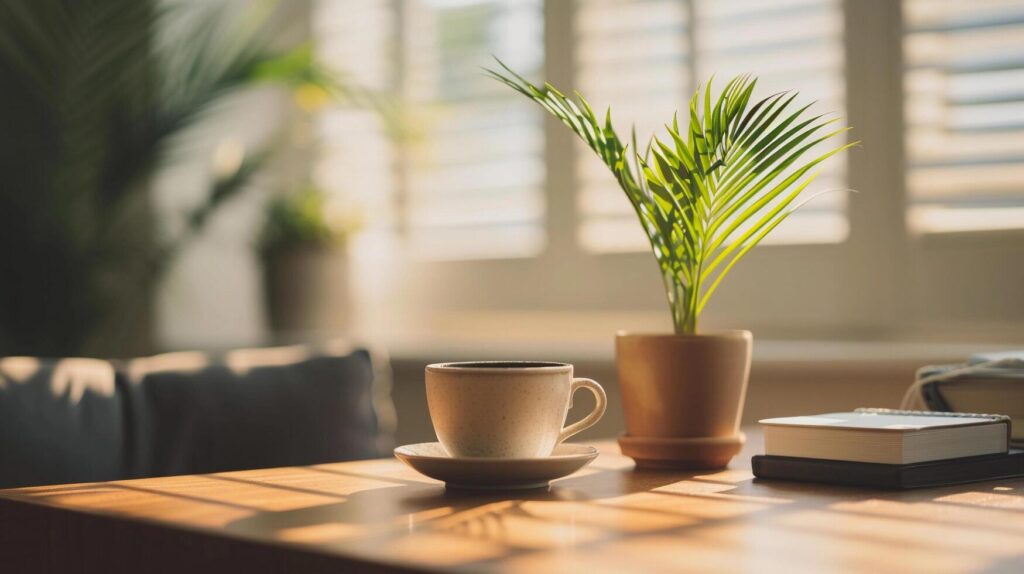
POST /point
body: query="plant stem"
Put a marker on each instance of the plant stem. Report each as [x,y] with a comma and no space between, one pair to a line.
[692,310]
[681,301]
[675,298]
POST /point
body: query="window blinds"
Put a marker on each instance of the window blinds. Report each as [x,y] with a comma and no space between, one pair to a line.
[964,111]
[466,181]
[475,180]
[635,57]
[355,159]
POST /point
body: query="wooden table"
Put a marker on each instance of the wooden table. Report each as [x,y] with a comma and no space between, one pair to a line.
[380,516]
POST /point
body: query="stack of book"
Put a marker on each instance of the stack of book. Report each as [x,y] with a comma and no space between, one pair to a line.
[885,448]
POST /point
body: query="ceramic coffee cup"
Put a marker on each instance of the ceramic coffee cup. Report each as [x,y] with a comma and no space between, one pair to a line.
[505,409]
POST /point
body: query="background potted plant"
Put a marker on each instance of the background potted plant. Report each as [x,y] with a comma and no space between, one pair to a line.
[705,195]
[304,248]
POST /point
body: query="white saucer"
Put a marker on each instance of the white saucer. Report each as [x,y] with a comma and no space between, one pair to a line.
[430,459]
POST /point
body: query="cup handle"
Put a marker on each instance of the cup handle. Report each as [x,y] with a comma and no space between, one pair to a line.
[594,416]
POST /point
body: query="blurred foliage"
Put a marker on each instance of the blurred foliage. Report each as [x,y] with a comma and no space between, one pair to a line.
[94,97]
[303,219]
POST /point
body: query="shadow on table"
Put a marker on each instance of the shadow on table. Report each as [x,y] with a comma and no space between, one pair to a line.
[420,521]
[379,511]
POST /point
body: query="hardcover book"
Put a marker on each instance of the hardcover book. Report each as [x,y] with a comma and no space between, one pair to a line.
[884,436]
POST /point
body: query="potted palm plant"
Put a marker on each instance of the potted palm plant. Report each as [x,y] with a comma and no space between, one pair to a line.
[705,195]
[304,248]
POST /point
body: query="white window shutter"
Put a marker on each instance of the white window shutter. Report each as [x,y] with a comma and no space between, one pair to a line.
[964,110]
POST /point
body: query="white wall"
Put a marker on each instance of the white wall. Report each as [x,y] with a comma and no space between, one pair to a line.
[213,294]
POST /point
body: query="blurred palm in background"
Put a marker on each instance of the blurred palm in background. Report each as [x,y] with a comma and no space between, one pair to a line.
[93,98]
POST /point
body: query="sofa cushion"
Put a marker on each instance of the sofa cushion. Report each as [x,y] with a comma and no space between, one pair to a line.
[61,421]
[252,408]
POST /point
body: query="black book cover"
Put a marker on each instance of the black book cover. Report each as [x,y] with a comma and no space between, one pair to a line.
[891,476]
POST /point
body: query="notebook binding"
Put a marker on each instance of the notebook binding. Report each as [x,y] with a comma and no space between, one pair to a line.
[931,413]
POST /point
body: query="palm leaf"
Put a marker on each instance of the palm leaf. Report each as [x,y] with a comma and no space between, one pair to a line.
[712,191]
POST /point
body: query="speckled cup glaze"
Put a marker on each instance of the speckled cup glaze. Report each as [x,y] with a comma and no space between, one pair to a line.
[505,409]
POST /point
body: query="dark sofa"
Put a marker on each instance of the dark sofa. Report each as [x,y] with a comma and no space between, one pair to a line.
[81,420]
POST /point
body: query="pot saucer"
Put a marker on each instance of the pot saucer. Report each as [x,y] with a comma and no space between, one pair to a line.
[431,459]
[700,453]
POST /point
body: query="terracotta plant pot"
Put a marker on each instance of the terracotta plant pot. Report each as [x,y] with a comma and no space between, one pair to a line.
[307,293]
[683,396]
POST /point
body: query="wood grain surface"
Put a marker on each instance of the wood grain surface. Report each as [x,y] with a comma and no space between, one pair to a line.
[381,516]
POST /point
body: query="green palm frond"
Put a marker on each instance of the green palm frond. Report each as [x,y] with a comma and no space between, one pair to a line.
[96,96]
[707,194]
